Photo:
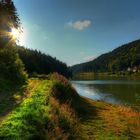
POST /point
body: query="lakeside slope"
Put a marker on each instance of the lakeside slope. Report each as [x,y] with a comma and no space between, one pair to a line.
[51,109]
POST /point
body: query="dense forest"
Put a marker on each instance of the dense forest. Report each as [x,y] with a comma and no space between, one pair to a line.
[40,63]
[123,58]
[17,62]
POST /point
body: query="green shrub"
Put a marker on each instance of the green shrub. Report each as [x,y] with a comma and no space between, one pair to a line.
[62,88]
[11,67]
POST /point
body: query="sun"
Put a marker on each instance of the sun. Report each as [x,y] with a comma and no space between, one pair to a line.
[15,33]
[17,36]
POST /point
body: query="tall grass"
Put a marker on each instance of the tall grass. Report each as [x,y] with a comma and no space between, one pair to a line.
[63,112]
[41,115]
[26,121]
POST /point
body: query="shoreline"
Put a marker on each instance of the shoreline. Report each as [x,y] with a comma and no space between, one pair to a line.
[54,107]
[110,121]
[92,75]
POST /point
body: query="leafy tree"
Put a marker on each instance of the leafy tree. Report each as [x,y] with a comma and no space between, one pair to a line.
[11,66]
[8,19]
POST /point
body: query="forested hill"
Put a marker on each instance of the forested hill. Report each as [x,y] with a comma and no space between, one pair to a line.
[123,58]
[40,63]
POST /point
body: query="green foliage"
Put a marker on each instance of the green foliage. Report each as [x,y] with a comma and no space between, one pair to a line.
[120,59]
[27,121]
[62,88]
[8,19]
[11,66]
[40,63]
[9,15]
[40,116]
[11,94]
[44,114]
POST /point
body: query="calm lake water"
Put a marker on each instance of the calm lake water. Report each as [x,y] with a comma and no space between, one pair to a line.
[114,91]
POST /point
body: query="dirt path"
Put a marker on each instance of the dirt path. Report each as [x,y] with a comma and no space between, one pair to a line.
[11,100]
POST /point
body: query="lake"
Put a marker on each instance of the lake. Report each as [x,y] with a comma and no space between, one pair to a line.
[113,91]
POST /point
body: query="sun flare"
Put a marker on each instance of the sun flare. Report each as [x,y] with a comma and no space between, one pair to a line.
[15,33]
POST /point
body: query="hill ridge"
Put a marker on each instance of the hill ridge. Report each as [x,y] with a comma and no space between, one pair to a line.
[120,59]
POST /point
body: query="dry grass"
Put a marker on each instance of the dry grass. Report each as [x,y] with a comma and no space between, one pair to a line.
[64,122]
[55,111]
[121,119]
[108,121]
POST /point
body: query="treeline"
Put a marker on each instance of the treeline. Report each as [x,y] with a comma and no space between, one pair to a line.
[40,63]
[124,58]
[17,62]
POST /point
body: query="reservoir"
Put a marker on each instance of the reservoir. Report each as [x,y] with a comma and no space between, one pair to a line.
[114,91]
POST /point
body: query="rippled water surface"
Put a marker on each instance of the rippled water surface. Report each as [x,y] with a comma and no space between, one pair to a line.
[114,91]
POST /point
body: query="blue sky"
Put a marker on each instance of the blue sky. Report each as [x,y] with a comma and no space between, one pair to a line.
[76,31]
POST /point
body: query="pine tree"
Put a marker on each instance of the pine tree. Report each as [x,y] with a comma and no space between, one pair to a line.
[11,67]
[8,19]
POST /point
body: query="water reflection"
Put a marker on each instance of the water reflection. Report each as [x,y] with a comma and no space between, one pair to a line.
[114,91]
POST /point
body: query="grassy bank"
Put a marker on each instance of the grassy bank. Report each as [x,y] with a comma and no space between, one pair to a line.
[106,75]
[40,115]
[51,109]
[106,121]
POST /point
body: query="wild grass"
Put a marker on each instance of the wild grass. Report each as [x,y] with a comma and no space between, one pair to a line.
[64,122]
[122,120]
[63,113]
[10,95]
[62,89]
[99,120]
[52,110]
[110,122]
[27,120]
[40,116]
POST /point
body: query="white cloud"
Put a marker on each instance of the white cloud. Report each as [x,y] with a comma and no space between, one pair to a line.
[79,25]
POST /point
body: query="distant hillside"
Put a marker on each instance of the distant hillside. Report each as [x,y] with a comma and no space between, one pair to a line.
[123,58]
[40,63]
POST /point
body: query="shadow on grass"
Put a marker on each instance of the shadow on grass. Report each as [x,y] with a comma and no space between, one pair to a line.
[96,125]
[84,109]
[7,100]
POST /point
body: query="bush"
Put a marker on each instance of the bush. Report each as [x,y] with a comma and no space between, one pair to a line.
[11,67]
[62,88]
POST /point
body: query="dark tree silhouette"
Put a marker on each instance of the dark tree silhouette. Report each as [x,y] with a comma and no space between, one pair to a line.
[8,19]
[40,63]
[11,66]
